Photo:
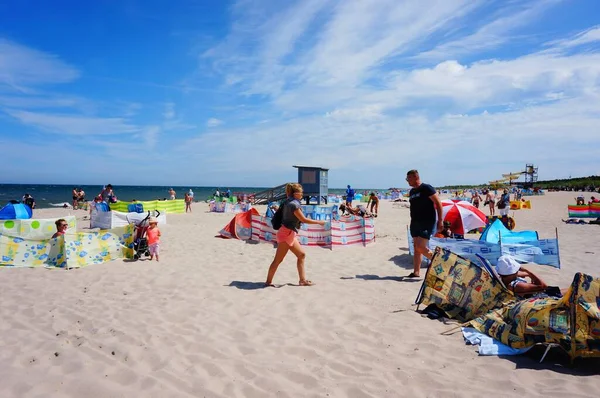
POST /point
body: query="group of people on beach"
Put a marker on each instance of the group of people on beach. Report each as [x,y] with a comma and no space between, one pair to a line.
[425,218]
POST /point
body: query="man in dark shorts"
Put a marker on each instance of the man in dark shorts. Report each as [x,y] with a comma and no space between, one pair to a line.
[424,205]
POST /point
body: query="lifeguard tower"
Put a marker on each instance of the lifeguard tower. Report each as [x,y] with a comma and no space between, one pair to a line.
[314,180]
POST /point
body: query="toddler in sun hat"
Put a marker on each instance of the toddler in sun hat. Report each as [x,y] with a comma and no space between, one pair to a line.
[153,234]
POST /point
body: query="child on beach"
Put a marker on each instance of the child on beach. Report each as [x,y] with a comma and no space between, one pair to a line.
[286,235]
[153,234]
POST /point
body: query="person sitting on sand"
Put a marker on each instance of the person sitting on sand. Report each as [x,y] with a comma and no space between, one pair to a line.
[593,200]
[374,201]
[61,227]
[286,234]
[580,200]
[446,232]
[513,276]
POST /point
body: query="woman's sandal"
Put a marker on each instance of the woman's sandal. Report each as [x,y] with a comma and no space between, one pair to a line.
[413,275]
[306,282]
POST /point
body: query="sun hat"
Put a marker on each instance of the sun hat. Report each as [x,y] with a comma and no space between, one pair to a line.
[152,220]
[507,266]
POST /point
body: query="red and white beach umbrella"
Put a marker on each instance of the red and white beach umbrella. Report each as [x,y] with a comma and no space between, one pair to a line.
[463,216]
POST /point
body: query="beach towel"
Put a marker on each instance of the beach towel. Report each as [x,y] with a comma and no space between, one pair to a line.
[489,346]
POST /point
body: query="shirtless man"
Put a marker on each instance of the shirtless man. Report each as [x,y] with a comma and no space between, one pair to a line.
[172,193]
[374,202]
[489,199]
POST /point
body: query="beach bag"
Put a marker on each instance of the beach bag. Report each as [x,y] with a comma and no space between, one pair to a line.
[277,218]
[501,204]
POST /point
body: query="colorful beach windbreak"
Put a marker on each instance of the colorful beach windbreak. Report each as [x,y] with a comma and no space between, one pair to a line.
[468,292]
[72,250]
[541,251]
[351,230]
[34,228]
[585,211]
[169,206]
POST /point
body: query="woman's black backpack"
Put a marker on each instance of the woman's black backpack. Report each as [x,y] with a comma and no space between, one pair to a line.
[278,218]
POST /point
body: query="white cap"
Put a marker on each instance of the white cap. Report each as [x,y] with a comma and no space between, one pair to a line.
[507,266]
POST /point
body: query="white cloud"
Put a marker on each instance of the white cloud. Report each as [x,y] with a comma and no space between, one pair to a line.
[492,34]
[589,36]
[21,66]
[169,112]
[213,122]
[73,124]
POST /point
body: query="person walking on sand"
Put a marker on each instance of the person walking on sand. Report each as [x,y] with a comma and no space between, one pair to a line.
[286,235]
[153,234]
[489,199]
[374,202]
[475,199]
[425,204]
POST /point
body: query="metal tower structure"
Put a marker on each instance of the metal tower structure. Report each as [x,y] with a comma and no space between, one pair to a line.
[531,176]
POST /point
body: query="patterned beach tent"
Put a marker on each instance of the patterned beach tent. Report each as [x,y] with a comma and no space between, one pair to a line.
[15,211]
[572,322]
[460,287]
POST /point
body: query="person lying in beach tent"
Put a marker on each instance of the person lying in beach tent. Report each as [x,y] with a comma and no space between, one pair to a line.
[15,211]
[240,226]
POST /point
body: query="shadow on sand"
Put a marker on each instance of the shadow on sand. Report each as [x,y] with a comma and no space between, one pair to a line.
[370,277]
[245,285]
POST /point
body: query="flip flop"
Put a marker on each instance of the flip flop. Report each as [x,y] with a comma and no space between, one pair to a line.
[306,283]
[413,275]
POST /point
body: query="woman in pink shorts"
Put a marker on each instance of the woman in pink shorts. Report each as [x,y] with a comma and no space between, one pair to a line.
[286,235]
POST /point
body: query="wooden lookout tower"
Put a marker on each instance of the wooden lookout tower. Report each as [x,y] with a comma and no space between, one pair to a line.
[314,180]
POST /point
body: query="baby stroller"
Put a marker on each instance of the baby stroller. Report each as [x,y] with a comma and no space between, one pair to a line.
[140,242]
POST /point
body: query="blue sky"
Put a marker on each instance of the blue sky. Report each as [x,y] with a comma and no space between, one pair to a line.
[236,92]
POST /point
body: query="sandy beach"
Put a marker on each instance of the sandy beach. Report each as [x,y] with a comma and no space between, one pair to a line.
[200,324]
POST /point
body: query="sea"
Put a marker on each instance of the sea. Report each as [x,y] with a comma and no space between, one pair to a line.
[51,195]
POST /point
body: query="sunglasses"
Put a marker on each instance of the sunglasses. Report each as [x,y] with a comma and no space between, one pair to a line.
[64,225]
